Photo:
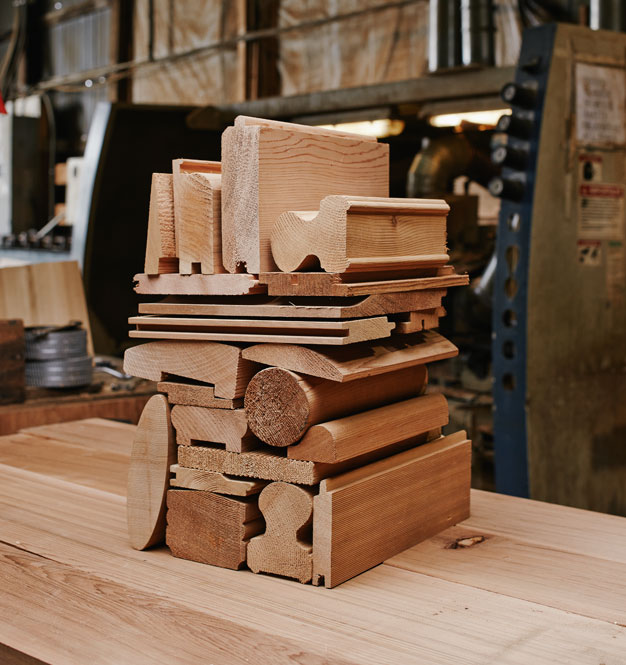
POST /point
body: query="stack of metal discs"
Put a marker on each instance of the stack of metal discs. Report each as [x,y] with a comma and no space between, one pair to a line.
[56,356]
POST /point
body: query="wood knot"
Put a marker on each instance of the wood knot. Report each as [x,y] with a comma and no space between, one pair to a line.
[466,541]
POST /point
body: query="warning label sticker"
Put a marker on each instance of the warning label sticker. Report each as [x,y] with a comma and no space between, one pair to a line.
[601,211]
[589,253]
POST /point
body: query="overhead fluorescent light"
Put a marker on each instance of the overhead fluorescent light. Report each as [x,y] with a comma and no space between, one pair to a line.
[378,128]
[487,118]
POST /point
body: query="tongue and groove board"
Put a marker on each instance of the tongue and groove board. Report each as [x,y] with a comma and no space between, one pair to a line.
[358,361]
[197,285]
[198,215]
[300,308]
[189,394]
[269,168]
[332,285]
[208,362]
[287,331]
[161,254]
[362,234]
[370,514]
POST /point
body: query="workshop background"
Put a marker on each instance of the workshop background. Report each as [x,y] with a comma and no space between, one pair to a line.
[102,93]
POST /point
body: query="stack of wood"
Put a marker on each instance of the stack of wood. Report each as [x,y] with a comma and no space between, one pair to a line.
[293,433]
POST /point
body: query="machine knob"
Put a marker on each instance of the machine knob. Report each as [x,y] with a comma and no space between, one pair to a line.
[507,188]
[517,125]
[519,95]
[506,155]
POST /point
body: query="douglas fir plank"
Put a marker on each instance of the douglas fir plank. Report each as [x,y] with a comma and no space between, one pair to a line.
[211,528]
[342,439]
[270,168]
[197,424]
[154,451]
[298,308]
[365,516]
[198,215]
[285,547]
[362,234]
[281,405]
[209,362]
[289,331]
[332,285]
[161,254]
[358,361]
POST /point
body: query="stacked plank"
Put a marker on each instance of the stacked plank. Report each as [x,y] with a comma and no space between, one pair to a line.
[293,433]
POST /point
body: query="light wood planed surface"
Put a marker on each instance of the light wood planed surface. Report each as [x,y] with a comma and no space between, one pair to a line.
[197,285]
[362,234]
[269,169]
[190,394]
[358,361]
[161,242]
[554,593]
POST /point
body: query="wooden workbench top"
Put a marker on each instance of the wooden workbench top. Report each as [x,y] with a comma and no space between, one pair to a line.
[546,585]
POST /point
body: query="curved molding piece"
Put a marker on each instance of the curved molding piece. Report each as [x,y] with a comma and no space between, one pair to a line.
[361,234]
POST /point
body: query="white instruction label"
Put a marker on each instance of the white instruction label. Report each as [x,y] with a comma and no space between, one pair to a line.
[600,105]
[601,211]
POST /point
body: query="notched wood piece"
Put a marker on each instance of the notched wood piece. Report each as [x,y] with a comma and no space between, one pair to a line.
[189,394]
[282,405]
[198,215]
[358,361]
[211,528]
[198,285]
[285,547]
[332,284]
[195,424]
[284,331]
[209,481]
[161,254]
[208,362]
[298,308]
[362,234]
[269,169]
[412,322]
[342,439]
[396,502]
[152,454]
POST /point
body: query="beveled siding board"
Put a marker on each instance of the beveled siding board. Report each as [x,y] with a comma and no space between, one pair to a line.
[358,361]
[268,170]
[364,516]
[295,308]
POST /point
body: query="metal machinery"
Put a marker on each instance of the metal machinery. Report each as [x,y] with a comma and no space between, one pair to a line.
[559,317]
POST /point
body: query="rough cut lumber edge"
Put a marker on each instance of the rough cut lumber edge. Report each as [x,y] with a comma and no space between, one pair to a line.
[246,121]
[210,481]
[355,362]
[211,528]
[267,170]
[331,285]
[282,405]
[365,516]
[189,394]
[198,285]
[153,453]
[266,465]
[418,321]
[285,548]
[161,238]
[342,439]
[198,215]
[199,424]
[351,331]
[360,234]
[208,362]
[375,305]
